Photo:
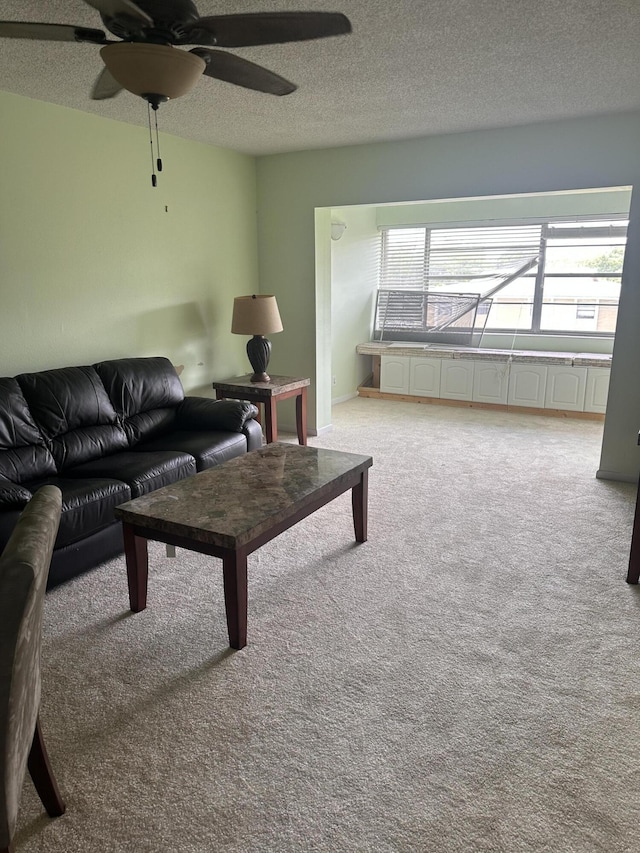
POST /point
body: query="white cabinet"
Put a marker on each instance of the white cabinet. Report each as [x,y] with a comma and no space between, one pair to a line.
[456,379]
[523,383]
[424,377]
[527,385]
[597,390]
[490,382]
[394,374]
[565,388]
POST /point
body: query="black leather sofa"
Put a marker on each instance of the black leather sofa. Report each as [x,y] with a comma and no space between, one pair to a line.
[104,434]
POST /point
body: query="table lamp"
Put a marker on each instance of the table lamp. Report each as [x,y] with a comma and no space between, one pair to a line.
[257,316]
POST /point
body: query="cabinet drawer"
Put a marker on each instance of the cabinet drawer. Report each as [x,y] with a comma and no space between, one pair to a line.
[490,381]
[565,388]
[424,376]
[527,385]
[595,399]
[394,374]
[456,379]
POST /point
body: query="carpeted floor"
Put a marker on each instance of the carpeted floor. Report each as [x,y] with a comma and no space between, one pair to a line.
[467,680]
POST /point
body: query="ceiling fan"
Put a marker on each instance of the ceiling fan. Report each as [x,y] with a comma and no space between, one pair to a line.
[145,60]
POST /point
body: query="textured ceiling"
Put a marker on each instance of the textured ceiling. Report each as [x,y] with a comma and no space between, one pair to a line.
[410,68]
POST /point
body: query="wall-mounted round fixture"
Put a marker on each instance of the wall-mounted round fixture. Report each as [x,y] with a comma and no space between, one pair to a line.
[337,229]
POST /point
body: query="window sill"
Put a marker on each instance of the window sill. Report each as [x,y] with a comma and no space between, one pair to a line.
[575,359]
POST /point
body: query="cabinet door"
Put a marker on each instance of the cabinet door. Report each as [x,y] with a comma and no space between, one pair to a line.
[394,374]
[424,376]
[490,381]
[456,379]
[595,399]
[527,384]
[565,388]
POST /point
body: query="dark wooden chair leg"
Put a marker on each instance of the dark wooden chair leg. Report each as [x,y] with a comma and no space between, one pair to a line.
[633,572]
[42,775]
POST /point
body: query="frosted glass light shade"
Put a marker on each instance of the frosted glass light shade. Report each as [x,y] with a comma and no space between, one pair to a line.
[153,69]
[255,315]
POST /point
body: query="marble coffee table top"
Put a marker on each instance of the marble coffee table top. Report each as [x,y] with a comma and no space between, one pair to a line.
[233,503]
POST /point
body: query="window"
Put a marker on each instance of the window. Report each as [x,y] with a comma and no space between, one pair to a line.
[467,277]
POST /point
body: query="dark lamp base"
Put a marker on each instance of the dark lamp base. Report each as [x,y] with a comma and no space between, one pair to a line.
[259,352]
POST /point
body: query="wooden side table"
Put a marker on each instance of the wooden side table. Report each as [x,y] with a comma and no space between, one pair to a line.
[268,393]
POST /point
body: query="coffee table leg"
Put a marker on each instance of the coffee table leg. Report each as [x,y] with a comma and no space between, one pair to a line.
[234,569]
[135,549]
[359,502]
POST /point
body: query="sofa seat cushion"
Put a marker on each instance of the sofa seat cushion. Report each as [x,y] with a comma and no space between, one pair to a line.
[87,505]
[207,448]
[143,472]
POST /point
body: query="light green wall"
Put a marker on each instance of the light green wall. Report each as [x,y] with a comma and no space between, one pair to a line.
[93,266]
[564,155]
[355,260]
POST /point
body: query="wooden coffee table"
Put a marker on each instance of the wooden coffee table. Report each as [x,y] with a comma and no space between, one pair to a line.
[232,509]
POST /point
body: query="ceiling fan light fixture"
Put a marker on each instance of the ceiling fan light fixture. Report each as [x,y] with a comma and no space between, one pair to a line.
[153,69]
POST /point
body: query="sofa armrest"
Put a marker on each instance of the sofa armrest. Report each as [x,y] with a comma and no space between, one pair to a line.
[253,433]
[12,495]
[204,413]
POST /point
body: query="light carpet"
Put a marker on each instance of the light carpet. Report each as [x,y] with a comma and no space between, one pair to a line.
[466,680]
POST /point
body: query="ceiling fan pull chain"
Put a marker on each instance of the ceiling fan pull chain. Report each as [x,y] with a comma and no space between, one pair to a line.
[159,160]
[154,179]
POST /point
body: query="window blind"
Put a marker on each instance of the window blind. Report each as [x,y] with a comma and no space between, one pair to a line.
[422,257]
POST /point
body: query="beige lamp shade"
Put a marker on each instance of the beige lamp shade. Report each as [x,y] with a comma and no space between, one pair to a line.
[255,315]
[153,69]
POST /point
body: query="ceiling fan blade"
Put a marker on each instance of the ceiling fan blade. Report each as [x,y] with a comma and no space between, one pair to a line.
[120,8]
[241,72]
[255,28]
[50,32]
[106,86]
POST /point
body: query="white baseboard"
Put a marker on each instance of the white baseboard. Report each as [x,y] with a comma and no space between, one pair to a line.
[615,475]
[322,431]
[290,429]
[344,399]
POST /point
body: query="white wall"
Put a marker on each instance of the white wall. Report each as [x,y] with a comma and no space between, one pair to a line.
[555,156]
[506,208]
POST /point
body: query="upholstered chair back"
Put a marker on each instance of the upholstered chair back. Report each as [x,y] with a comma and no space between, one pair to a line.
[24,566]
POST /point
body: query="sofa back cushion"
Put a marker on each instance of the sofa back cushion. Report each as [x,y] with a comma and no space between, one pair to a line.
[74,413]
[24,454]
[145,393]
